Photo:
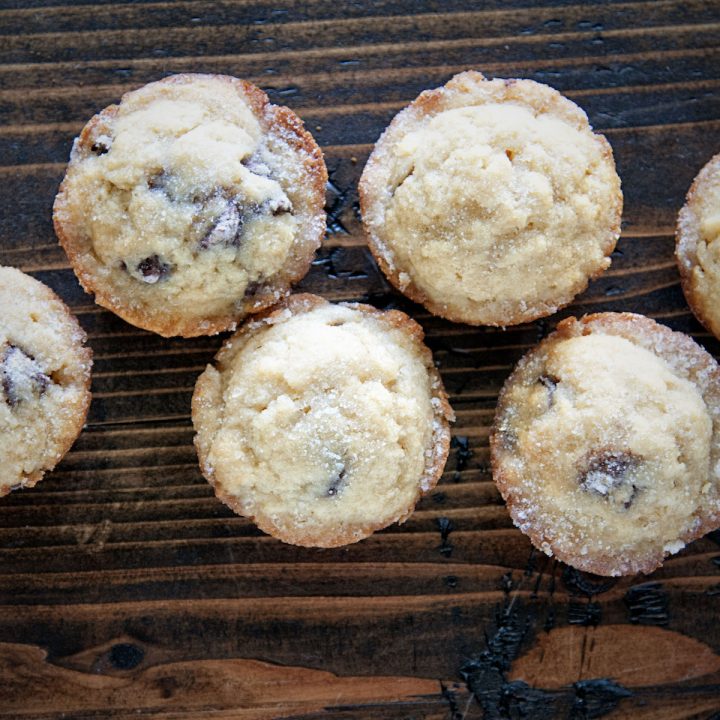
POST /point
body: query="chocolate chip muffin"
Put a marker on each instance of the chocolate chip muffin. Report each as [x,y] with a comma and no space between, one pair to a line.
[606,443]
[191,204]
[491,202]
[698,246]
[44,379]
[322,422]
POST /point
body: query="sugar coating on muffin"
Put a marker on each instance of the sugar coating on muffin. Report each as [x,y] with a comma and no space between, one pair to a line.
[191,204]
[322,422]
[491,202]
[606,443]
[698,246]
[44,379]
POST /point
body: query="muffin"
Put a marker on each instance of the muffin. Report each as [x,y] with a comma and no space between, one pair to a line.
[191,204]
[698,246]
[322,422]
[44,379]
[606,443]
[491,202]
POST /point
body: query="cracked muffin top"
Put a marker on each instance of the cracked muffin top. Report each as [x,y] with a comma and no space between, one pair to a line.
[191,204]
[492,202]
[698,246]
[44,379]
[606,443]
[322,422]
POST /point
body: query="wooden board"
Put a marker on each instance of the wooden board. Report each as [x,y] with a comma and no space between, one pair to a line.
[127,590]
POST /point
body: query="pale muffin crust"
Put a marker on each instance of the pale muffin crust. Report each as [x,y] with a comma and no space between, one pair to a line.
[697,247]
[606,443]
[322,422]
[191,204]
[44,379]
[491,202]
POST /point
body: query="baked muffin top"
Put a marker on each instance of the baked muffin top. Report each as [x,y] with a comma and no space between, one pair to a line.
[606,443]
[322,422]
[44,379]
[191,204]
[491,201]
[698,246]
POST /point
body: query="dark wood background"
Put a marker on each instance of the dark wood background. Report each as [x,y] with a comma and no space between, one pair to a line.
[128,590]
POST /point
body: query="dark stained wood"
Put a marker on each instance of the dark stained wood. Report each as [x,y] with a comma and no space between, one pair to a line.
[127,589]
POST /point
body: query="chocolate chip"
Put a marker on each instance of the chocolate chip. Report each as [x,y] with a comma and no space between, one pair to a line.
[252,289]
[227,229]
[41,381]
[101,146]
[170,185]
[277,206]
[11,398]
[256,166]
[336,484]
[164,182]
[551,383]
[158,180]
[153,269]
[21,377]
[611,475]
[506,437]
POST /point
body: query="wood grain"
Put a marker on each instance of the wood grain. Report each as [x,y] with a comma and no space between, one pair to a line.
[126,588]
[249,688]
[564,656]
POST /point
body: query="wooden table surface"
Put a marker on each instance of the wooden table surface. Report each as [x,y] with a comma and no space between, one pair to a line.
[128,590]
